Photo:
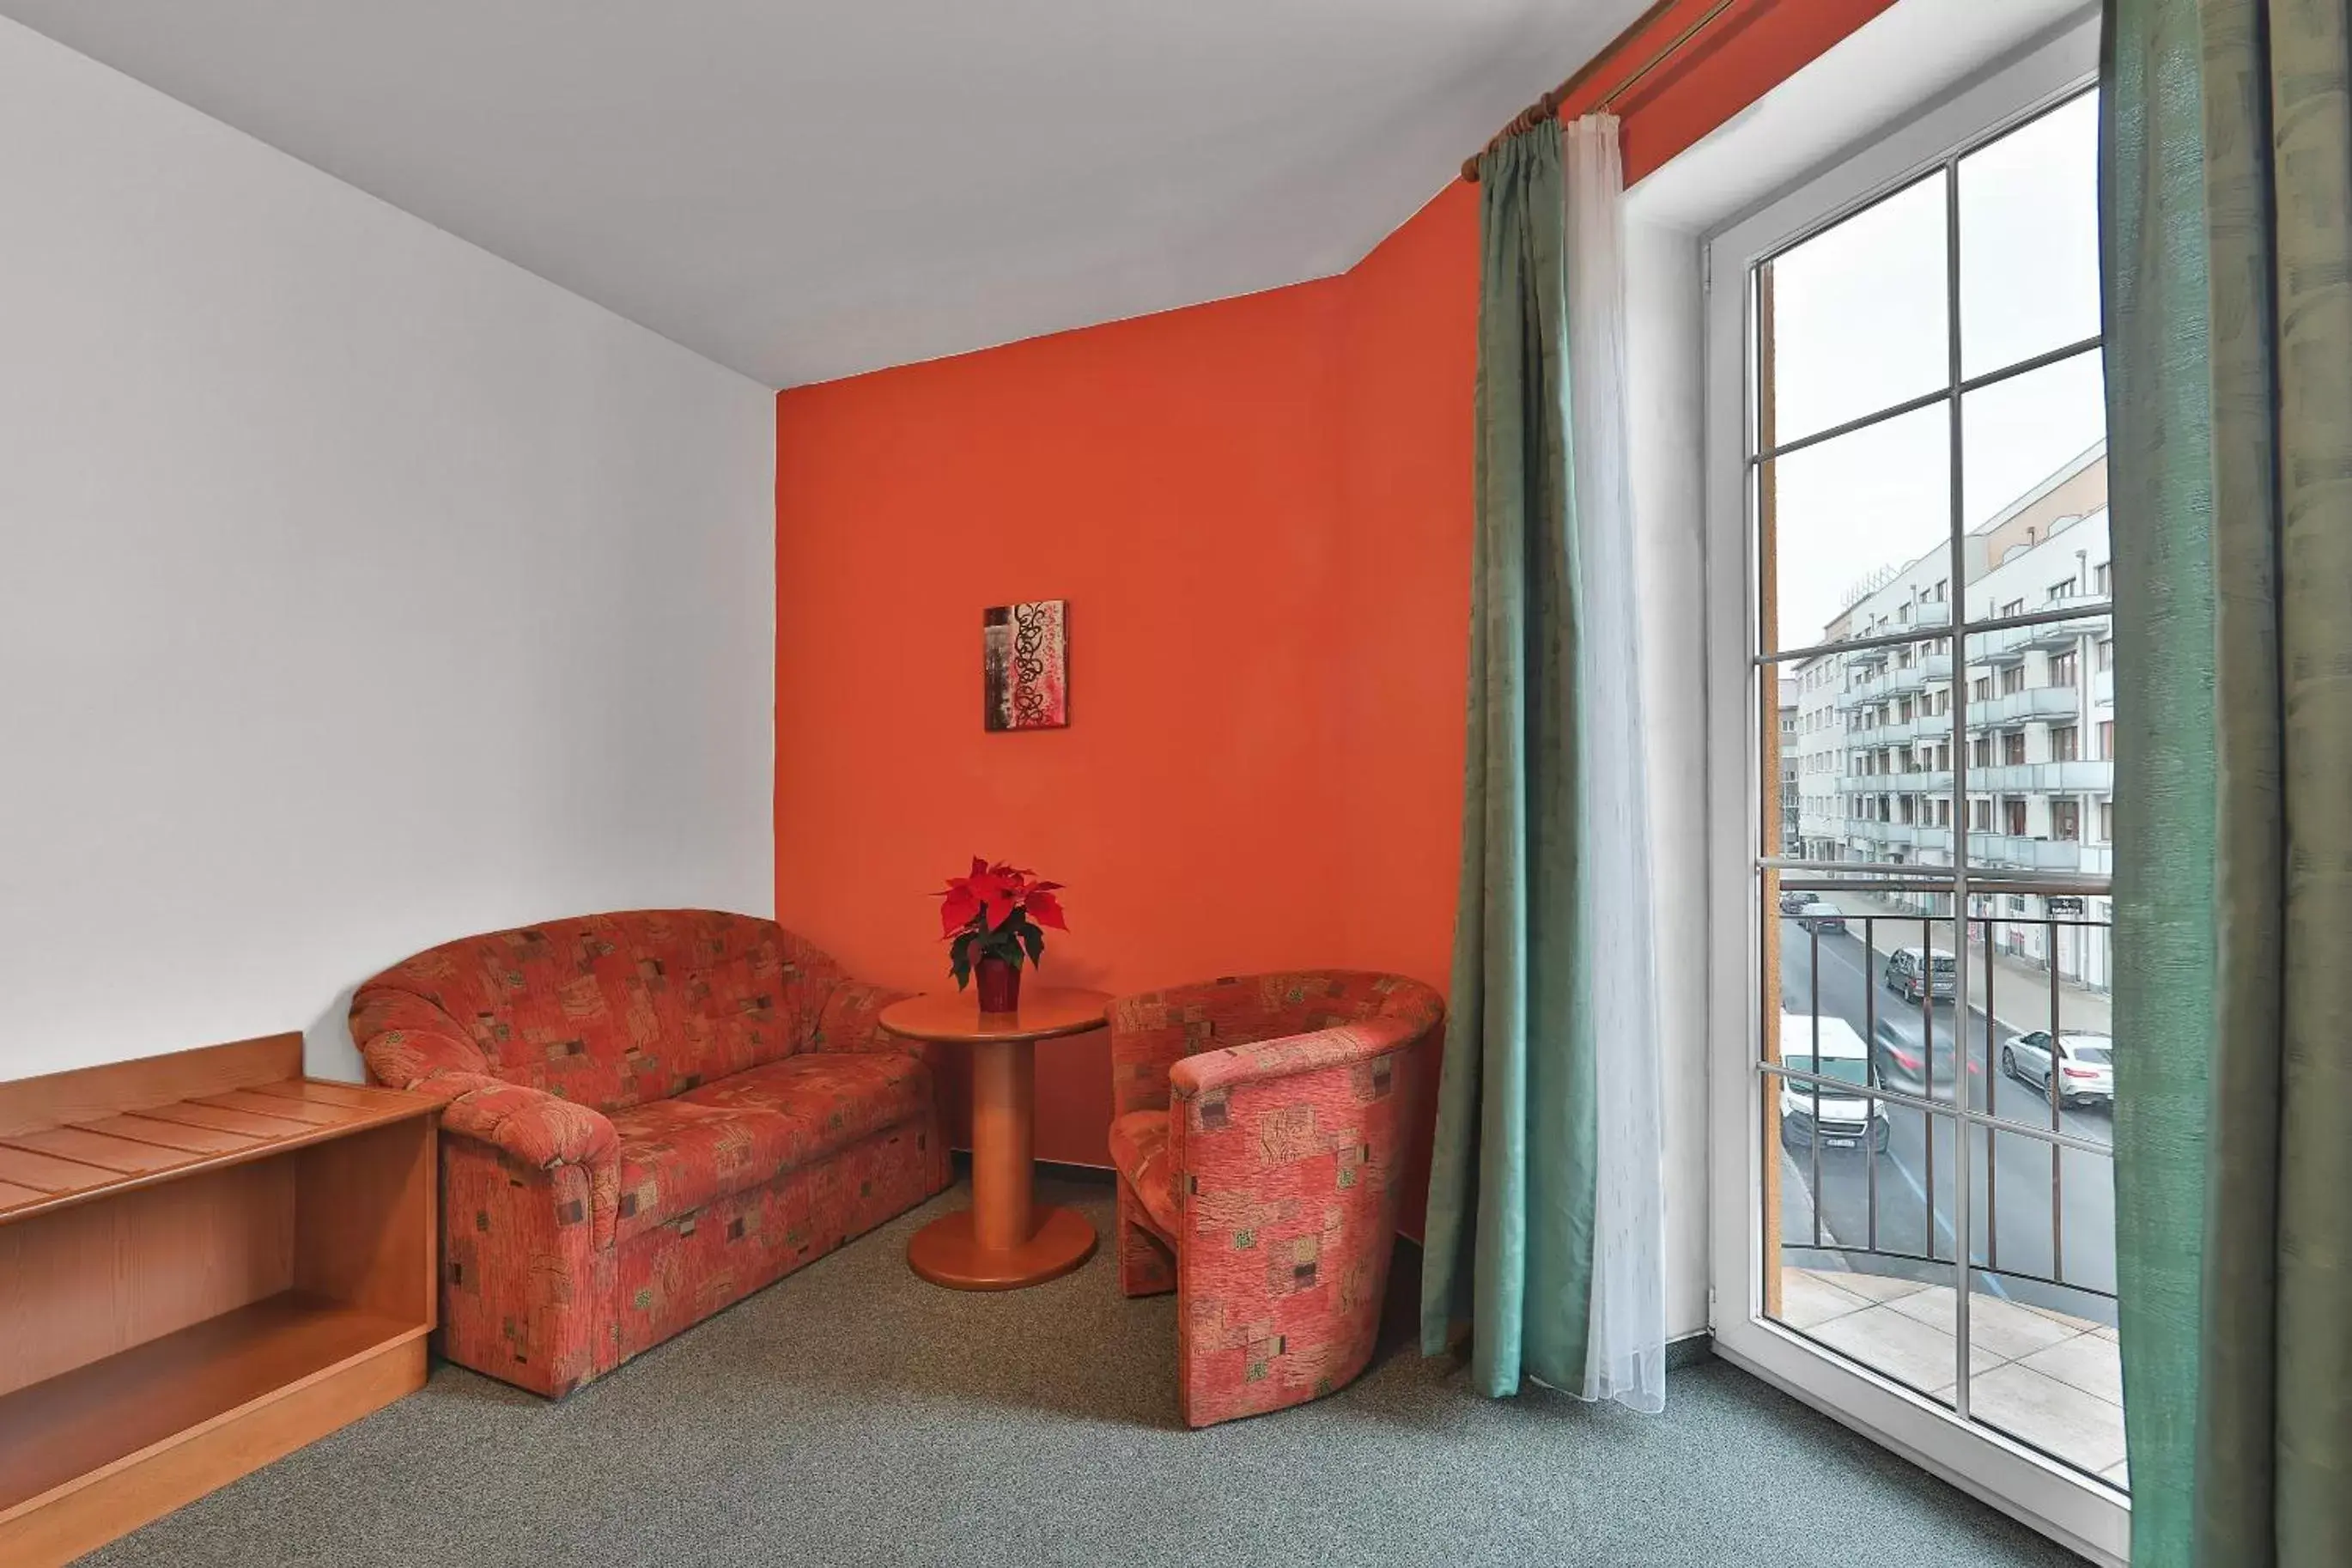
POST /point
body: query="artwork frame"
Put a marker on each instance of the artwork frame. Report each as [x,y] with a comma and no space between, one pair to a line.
[1025,665]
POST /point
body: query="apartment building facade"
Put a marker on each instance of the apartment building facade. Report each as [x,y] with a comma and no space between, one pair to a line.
[2039,726]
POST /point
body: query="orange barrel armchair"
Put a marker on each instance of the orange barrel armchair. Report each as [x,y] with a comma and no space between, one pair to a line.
[1259,1136]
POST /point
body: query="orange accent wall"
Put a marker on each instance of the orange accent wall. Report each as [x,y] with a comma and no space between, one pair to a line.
[1259,512]
[1265,648]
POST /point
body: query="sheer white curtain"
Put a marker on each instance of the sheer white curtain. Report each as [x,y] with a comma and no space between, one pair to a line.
[1625,1346]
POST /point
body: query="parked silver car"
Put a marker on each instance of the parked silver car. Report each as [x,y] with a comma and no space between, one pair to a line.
[1912,973]
[1820,914]
[2085,1066]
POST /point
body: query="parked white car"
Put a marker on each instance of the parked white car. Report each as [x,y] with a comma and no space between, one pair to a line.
[1838,1121]
[2086,1065]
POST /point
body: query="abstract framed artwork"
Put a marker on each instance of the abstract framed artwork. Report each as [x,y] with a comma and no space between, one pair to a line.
[1026,665]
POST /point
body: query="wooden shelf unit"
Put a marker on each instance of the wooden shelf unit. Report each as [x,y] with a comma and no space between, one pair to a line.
[206,1260]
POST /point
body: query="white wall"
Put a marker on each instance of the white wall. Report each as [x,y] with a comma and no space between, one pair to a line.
[1664,354]
[358,590]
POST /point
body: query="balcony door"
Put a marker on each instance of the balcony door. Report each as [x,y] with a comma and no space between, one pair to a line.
[1907,533]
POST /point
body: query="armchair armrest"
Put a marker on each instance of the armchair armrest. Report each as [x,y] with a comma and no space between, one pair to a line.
[852,1021]
[1343,1046]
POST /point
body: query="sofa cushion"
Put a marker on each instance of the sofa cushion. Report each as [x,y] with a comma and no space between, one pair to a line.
[1139,1149]
[677,1155]
[841,1096]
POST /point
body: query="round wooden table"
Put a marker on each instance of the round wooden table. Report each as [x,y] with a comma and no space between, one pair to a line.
[1003,1241]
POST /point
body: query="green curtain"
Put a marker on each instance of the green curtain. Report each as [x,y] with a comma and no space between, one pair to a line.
[2228,232]
[1509,1238]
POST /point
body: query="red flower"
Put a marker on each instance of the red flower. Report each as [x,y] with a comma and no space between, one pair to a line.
[987,897]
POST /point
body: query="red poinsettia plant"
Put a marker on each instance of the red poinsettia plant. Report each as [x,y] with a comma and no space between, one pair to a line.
[997,911]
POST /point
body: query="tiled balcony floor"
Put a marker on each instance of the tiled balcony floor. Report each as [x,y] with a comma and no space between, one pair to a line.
[2051,1380]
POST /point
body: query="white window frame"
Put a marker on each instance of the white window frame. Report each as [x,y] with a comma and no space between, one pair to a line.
[2077,1512]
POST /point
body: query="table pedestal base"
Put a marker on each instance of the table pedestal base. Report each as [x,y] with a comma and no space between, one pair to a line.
[945,1252]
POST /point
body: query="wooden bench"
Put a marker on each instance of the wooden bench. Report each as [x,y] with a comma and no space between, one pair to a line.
[206,1260]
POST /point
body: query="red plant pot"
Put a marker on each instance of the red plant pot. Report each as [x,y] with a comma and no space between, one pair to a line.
[1000,985]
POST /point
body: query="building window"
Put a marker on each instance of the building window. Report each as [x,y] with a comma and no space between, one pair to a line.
[2066,820]
[2062,743]
[1981,690]
[2017,606]
[2013,679]
[2062,669]
[2106,653]
[2060,591]
[2107,740]
[2013,748]
[2099,580]
[1980,817]
[1981,752]
[2015,809]
[2106,822]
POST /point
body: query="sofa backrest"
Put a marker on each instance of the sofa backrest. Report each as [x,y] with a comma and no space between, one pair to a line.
[615,1010]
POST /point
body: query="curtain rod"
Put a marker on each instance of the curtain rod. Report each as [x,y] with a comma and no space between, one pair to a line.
[1549,105]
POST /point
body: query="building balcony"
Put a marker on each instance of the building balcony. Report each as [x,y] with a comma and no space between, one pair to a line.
[1933,670]
[1898,732]
[2035,702]
[2057,637]
[1917,781]
[2077,777]
[1919,835]
[1862,696]
[2016,852]
[2009,644]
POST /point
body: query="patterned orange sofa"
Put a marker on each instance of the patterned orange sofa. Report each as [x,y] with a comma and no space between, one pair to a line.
[1258,1135]
[649,1116]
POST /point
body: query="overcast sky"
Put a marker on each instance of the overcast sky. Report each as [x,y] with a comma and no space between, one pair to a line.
[1860,325]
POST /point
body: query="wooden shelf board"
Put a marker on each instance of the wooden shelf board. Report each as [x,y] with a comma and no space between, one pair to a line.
[124,1156]
[45,1169]
[84,1425]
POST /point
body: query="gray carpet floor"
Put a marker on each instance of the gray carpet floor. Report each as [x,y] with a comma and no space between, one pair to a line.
[854,1414]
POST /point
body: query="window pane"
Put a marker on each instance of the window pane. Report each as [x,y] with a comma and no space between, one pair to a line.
[2049,1061]
[1855,318]
[1865,517]
[2029,240]
[2034,465]
[1853,1243]
[2042,1362]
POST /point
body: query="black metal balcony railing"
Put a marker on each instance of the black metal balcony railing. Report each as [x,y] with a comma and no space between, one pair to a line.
[1962,1075]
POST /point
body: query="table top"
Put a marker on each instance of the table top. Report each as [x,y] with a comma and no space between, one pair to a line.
[1045,1011]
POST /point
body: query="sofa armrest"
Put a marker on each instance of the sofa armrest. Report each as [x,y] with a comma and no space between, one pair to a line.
[852,1021]
[404,1038]
[410,1044]
[537,1131]
[1342,1048]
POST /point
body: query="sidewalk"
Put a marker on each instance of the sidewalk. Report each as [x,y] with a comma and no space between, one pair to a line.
[2021,991]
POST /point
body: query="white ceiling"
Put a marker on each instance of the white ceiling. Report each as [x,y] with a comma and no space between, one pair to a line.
[805,190]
